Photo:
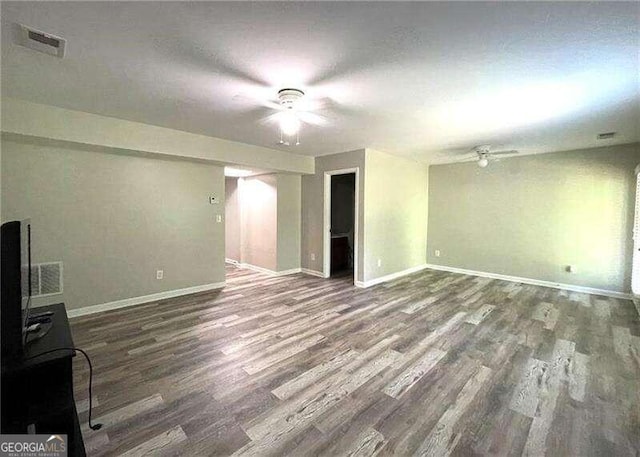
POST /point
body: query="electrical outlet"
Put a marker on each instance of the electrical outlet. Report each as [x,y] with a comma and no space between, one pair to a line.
[159,274]
[213,200]
[437,252]
[570,269]
[313,256]
[379,262]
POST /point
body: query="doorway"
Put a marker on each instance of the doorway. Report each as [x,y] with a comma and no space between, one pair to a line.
[341,243]
[232,224]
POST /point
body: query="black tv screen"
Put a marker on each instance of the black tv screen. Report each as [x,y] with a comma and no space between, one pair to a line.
[15,279]
[25,272]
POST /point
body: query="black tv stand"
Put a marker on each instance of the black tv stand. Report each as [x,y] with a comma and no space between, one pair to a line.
[43,327]
[37,391]
[40,318]
[33,315]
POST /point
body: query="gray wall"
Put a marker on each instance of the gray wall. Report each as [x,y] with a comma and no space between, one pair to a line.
[393,208]
[313,208]
[395,214]
[23,118]
[232,219]
[259,224]
[289,214]
[532,216]
[116,219]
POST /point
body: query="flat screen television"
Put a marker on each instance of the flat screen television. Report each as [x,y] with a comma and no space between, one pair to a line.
[15,279]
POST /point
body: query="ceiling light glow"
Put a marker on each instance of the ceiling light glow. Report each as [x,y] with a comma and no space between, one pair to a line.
[512,107]
[236,172]
[289,122]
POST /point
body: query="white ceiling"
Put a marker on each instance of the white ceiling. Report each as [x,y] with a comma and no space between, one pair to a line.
[424,80]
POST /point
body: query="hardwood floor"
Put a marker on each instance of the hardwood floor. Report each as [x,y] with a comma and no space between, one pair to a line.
[431,364]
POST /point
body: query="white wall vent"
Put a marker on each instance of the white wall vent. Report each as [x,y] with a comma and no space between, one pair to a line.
[46,279]
[41,41]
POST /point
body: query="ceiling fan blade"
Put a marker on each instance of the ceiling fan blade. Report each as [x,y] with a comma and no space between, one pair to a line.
[466,159]
[497,153]
[311,118]
[255,101]
[328,106]
[254,114]
[271,118]
[320,103]
[208,57]
[308,104]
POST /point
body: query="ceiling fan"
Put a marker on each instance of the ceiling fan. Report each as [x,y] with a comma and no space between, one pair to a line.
[291,108]
[306,95]
[483,154]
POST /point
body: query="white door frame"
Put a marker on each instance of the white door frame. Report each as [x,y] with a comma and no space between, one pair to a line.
[326,236]
[635,266]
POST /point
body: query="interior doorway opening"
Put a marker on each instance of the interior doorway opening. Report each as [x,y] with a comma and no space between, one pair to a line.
[343,192]
[341,243]
[232,223]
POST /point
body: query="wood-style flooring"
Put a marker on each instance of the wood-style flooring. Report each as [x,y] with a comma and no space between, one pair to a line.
[434,364]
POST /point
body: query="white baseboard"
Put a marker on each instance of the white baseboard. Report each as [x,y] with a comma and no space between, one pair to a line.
[307,271]
[231,261]
[268,271]
[390,277]
[142,299]
[291,271]
[535,282]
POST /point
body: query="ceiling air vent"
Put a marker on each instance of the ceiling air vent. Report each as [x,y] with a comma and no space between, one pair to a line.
[41,41]
[606,136]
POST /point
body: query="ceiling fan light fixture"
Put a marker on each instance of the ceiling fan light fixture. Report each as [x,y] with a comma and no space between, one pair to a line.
[483,161]
[289,97]
[289,123]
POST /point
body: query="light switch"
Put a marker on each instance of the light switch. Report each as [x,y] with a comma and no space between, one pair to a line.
[218,218]
[213,200]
